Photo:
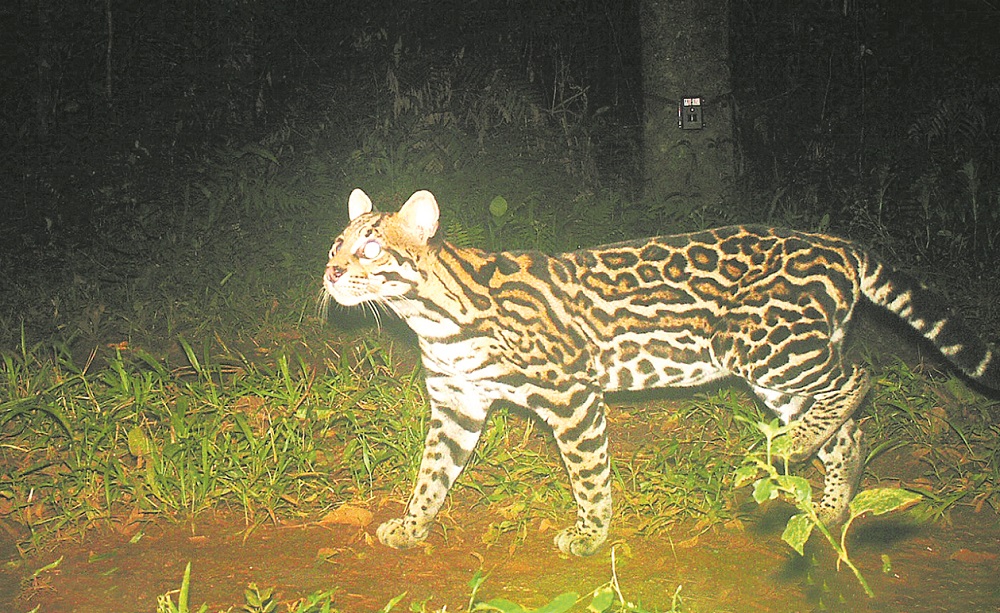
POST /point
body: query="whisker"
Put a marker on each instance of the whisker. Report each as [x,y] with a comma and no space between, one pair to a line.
[323,304]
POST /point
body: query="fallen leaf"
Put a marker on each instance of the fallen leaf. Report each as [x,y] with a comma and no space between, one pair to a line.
[967,556]
[689,543]
[349,516]
[248,404]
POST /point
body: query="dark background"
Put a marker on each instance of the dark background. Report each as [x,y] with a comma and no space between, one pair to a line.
[212,128]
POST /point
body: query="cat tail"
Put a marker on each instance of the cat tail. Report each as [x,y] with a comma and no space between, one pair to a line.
[928,314]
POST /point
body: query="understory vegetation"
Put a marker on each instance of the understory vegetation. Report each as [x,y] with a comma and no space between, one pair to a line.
[162,354]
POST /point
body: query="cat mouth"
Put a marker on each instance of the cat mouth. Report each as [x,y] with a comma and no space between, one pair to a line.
[343,298]
[341,294]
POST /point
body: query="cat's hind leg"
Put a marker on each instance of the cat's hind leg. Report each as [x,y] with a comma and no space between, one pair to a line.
[820,414]
[843,458]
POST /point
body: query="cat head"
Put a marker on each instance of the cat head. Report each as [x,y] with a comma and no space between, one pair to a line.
[375,257]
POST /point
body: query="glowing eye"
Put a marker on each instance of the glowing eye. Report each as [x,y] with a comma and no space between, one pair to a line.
[371,250]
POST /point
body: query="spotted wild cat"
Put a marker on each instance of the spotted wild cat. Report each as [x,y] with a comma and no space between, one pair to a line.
[553,333]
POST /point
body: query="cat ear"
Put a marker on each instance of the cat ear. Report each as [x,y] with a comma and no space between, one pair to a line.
[358,204]
[419,216]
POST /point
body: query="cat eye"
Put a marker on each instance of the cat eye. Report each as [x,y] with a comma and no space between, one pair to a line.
[371,250]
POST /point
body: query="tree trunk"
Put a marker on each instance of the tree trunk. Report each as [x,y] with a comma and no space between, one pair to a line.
[685,53]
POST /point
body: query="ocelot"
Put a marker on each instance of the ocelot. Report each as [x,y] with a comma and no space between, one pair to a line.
[553,333]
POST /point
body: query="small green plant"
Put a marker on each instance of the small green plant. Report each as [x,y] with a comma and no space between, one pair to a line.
[797,490]
[264,601]
[165,604]
[259,600]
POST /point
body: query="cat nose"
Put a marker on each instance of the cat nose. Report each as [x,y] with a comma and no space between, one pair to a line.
[333,273]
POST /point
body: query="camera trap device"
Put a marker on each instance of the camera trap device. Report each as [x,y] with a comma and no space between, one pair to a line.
[690,115]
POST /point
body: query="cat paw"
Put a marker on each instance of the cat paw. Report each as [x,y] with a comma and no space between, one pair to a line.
[400,533]
[578,542]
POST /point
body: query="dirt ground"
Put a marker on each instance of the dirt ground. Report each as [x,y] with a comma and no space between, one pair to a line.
[733,568]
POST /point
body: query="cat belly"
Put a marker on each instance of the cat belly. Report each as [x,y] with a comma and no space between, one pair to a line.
[649,374]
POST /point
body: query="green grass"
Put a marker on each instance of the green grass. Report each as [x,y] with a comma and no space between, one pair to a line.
[942,433]
[87,445]
[683,471]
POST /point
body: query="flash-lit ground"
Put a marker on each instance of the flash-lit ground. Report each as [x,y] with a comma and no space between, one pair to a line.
[735,568]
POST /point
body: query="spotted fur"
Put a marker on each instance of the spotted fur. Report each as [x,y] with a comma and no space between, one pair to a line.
[553,333]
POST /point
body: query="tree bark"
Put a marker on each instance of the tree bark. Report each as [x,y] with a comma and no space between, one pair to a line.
[685,52]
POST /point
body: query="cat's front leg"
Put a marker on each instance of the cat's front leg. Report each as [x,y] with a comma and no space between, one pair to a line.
[452,436]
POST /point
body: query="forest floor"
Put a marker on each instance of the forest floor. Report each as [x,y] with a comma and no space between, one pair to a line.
[912,568]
